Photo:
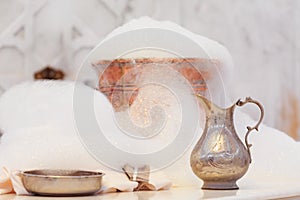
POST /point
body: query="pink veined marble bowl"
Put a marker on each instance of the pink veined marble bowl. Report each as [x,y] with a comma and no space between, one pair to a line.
[118,78]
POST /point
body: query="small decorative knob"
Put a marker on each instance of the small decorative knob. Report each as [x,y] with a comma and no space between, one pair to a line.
[49,73]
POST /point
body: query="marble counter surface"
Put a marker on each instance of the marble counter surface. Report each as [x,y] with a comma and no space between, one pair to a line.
[266,190]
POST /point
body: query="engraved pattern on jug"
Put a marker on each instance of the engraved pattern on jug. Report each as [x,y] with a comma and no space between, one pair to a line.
[221,153]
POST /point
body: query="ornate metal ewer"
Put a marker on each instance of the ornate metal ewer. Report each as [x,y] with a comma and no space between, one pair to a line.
[220,158]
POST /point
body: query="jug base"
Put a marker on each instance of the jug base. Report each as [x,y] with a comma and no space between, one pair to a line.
[214,185]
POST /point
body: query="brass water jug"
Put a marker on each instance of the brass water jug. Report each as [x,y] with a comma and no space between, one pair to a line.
[220,158]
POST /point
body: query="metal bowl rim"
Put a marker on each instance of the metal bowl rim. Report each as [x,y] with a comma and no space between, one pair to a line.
[94,174]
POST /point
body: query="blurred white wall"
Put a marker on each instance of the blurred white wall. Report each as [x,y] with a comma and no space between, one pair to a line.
[262,36]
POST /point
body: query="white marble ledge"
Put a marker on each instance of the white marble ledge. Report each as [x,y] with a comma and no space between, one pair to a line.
[268,190]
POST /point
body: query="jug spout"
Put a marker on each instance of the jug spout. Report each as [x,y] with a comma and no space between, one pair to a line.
[207,104]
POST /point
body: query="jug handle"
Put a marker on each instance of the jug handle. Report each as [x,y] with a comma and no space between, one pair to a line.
[249,129]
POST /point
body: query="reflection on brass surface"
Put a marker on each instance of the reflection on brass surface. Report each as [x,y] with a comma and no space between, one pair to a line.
[220,158]
[61,182]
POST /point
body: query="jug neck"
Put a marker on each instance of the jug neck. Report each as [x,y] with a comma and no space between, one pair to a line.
[216,113]
[208,105]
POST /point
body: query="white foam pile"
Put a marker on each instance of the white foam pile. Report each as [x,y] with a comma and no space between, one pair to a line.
[145,37]
[39,132]
[212,48]
[38,125]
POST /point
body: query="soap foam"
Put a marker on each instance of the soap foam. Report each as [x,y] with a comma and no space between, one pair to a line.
[213,49]
[43,135]
[39,130]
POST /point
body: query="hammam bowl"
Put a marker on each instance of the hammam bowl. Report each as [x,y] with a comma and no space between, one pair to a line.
[119,79]
[61,182]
